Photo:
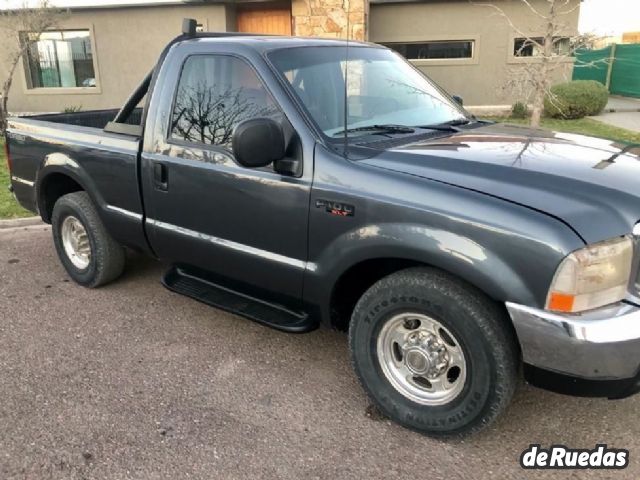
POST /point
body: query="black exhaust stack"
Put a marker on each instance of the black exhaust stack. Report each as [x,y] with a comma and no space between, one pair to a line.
[189,27]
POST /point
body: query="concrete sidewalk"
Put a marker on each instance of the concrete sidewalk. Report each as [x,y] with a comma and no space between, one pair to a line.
[20,222]
[619,104]
[627,120]
[616,104]
[622,112]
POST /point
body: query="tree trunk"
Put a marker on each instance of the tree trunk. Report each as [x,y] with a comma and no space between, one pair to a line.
[542,81]
[6,87]
[537,107]
[34,20]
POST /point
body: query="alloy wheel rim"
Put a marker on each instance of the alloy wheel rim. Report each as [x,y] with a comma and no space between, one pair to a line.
[421,359]
[75,241]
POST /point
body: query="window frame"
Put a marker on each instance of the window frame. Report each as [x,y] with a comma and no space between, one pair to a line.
[539,40]
[185,144]
[97,90]
[423,42]
[435,62]
[514,60]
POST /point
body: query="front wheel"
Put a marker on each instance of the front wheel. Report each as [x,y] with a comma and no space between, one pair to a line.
[433,353]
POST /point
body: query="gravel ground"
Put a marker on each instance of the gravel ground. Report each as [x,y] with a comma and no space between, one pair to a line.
[133,381]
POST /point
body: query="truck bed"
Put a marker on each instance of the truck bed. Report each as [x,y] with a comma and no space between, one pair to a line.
[105,164]
[90,118]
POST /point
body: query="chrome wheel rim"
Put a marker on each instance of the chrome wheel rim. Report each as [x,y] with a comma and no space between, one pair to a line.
[76,242]
[421,359]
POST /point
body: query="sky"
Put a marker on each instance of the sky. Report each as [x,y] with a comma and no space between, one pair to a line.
[603,17]
[610,17]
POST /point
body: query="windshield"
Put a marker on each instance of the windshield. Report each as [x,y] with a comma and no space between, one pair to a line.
[382,89]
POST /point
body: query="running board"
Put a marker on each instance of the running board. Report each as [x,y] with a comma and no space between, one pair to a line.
[179,280]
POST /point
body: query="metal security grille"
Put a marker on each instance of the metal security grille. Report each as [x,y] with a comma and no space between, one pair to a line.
[59,59]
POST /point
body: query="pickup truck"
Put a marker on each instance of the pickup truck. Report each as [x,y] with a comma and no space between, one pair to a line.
[299,182]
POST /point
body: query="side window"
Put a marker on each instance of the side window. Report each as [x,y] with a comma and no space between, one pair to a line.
[214,94]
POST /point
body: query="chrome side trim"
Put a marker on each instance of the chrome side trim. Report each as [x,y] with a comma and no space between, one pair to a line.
[634,281]
[122,211]
[599,344]
[22,180]
[238,247]
[90,137]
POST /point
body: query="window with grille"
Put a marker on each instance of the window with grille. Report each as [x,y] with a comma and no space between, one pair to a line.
[525,47]
[59,59]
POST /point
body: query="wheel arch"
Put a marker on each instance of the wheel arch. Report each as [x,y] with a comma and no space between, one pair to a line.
[60,175]
[342,278]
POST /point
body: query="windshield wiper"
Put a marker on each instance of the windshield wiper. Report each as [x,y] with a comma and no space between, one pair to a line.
[378,129]
[451,126]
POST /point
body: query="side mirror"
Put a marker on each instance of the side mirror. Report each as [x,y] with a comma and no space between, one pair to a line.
[258,142]
[458,100]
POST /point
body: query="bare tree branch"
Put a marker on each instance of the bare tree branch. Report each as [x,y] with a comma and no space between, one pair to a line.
[571,10]
[533,9]
[545,53]
[16,22]
[499,11]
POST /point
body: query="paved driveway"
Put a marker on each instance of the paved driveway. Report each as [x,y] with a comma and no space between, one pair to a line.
[623,112]
[133,381]
[628,120]
[618,103]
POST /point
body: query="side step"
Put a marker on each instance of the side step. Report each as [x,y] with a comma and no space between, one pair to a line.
[179,280]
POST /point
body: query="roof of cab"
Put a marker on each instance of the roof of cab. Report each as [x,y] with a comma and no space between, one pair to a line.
[271,42]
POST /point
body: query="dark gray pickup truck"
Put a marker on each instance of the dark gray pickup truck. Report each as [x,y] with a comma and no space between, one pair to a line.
[300,182]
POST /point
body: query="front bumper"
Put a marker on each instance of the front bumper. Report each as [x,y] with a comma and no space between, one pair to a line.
[599,345]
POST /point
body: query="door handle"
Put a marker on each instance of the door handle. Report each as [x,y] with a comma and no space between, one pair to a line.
[160,176]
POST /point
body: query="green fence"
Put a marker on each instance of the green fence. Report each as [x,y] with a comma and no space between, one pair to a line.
[617,66]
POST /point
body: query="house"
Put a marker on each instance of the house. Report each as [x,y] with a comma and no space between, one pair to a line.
[631,37]
[103,49]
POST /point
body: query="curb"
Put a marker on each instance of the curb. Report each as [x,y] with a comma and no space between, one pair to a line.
[488,110]
[20,222]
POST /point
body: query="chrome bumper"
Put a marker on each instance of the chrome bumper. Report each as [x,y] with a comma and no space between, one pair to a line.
[602,344]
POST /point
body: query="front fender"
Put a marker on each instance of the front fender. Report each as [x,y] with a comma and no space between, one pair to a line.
[503,265]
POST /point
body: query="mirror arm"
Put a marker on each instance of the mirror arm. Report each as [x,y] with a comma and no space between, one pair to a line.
[288,166]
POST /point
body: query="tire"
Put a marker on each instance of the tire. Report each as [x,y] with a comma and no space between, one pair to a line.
[411,315]
[106,258]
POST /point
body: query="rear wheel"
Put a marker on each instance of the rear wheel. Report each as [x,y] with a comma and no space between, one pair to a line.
[87,251]
[433,353]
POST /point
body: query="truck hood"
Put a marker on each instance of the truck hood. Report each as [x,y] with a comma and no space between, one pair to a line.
[591,184]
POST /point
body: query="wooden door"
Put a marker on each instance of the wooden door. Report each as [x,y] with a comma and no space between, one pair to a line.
[264,19]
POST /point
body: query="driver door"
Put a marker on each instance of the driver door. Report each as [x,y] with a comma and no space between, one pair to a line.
[246,226]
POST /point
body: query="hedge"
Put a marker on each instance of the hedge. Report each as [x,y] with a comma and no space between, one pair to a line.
[576,99]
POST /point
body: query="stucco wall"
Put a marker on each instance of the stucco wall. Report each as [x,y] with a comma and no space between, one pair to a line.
[477,80]
[127,43]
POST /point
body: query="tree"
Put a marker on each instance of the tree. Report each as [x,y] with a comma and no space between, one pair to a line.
[532,81]
[207,113]
[16,23]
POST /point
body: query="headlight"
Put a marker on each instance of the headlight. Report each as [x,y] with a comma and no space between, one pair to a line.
[591,277]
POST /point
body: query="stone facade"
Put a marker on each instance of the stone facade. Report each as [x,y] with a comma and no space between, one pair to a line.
[329,18]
